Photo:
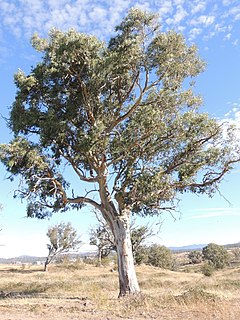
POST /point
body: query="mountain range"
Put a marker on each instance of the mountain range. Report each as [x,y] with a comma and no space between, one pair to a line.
[32,259]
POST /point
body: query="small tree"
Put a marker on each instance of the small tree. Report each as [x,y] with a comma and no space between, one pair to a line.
[63,238]
[139,235]
[216,255]
[101,236]
[160,256]
[195,256]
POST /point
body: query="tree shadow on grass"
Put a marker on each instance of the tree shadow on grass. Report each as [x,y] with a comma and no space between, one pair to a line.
[23,290]
[21,271]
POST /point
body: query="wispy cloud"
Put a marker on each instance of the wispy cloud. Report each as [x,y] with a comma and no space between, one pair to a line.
[204,20]
[199,7]
[232,118]
[214,212]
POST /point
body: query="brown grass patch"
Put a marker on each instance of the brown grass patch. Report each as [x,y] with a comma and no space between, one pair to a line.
[90,292]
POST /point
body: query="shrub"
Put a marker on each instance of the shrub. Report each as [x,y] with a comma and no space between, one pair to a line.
[160,256]
[236,253]
[141,255]
[195,257]
[216,255]
[207,270]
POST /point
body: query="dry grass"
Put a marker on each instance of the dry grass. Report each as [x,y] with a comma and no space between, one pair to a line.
[88,292]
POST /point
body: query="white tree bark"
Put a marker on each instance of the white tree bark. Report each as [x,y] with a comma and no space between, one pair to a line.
[119,221]
[128,283]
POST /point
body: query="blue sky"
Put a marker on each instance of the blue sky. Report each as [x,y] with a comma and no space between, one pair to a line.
[214,25]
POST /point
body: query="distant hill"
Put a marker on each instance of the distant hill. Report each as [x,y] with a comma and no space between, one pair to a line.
[22,259]
[33,259]
[200,246]
[189,247]
[232,245]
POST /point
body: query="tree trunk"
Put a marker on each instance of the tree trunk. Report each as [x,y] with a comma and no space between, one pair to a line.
[99,263]
[127,276]
[46,266]
[119,222]
[48,260]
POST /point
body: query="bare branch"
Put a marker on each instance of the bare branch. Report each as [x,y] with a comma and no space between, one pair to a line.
[78,171]
[85,95]
[85,200]
[208,179]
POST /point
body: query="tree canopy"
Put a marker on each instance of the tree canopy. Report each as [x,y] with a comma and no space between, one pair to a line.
[124,107]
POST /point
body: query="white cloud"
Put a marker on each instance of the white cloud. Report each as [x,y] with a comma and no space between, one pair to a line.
[199,7]
[232,120]
[178,2]
[234,10]
[145,6]
[228,36]
[215,212]
[235,42]
[227,2]
[23,17]
[204,20]
[237,16]
[180,14]
[165,8]
[98,14]
[194,33]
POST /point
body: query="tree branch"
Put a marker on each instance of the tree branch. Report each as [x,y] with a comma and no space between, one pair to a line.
[78,171]
[85,95]
[85,200]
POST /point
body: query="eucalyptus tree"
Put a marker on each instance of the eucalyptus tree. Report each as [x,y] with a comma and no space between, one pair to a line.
[124,116]
[63,238]
[102,237]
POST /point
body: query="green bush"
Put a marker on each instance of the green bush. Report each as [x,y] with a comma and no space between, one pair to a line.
[160,256]
[236,253]
[207,270]
[216,255]
[141,255]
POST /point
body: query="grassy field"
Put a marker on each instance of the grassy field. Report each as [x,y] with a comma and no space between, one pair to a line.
[81,291]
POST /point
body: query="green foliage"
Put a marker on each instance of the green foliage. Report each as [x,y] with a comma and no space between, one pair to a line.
[160,256]
[195,256]
[216,255]
[126,107]
[63,238]
[141,255]
[102,237]
[236,253]
[207,269]
[139,235]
